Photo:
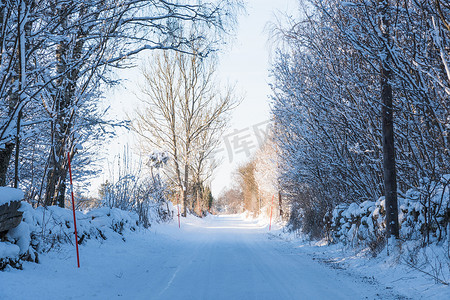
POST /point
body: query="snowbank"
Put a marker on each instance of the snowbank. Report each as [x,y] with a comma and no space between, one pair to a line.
[8,250]
[43,229]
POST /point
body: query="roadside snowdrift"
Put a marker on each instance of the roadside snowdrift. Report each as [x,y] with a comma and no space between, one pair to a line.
[43,229]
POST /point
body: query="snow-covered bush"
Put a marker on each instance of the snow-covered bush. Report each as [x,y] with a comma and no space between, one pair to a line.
[135,191]
[147,198]
[307,208]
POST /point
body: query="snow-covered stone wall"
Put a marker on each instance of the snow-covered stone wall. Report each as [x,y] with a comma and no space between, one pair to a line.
[424,213]
[8,194]
[10,217]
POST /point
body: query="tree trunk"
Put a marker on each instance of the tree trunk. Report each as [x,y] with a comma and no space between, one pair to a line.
[5,157]
[387,113]
[21,21]
[389,169]
[199,196]
[56,178]
[280,204]
[185,189]
[17,153]
[56,181]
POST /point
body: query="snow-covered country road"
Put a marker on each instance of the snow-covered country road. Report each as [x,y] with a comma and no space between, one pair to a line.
[223,257]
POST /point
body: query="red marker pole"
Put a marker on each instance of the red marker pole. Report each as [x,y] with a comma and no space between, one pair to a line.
[178,207]
[73,208]
[271,208]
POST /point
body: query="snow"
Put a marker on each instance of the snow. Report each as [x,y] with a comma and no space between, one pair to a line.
[384,271]
[44,229]
[218,257]
[8,250]
[21,237]
[8,194]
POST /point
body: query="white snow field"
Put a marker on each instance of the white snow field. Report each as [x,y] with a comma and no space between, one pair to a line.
[219,257]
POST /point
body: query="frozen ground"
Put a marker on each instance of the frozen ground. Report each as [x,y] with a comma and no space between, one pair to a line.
[220,257]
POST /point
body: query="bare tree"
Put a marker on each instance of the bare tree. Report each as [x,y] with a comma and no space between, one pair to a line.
[204,165]
[230,201]
[249,186]
[184,114]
